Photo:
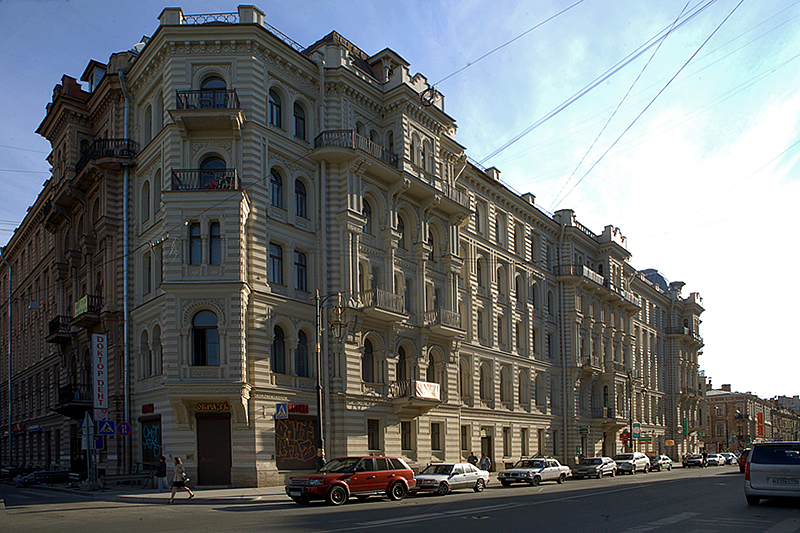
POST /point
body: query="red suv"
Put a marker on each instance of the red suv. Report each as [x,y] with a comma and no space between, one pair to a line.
[358,476]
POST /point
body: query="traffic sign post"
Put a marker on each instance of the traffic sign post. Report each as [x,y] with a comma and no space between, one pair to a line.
[124,429]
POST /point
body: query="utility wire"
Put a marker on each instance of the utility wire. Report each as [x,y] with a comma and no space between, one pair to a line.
[653,41]
[642,112]
[622,101]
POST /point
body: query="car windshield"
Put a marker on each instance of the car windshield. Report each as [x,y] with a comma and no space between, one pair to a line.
[592,462]
[529,463]
[623,457]
[337,466]
[438,469]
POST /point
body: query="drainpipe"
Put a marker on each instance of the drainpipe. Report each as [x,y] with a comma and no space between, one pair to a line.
[125,272]
[562,336]
[2,258]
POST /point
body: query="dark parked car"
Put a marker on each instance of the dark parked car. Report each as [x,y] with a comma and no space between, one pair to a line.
[595,467]
[358,476]
[660,462]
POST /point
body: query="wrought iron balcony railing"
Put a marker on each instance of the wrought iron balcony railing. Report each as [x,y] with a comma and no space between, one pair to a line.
[351,139]
[207,99]
[75,393]
[122,148]
[193,179]
[59,324]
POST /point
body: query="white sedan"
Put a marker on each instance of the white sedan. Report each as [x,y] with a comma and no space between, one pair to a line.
[441,478]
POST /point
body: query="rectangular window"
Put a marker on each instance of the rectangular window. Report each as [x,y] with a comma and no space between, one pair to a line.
[523,436]
[465,438]
[147,274]
[214,244]
[373,434]
[406,442]
[436,436]
[300,272]
[275,264]
[540,441]
[195,245]
[507,442]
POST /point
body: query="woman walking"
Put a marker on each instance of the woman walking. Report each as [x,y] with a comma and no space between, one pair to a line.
[179,480]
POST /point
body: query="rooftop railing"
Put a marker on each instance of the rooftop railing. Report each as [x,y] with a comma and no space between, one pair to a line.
[351,139]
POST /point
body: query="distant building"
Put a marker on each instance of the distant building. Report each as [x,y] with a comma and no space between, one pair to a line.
[259,172]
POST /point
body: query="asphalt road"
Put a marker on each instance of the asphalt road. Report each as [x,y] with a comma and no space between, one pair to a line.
[682,501]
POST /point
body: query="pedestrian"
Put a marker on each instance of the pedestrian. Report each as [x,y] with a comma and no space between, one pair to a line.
[472,459]
[179,480]
[161,474]
[705,458]
[485,463]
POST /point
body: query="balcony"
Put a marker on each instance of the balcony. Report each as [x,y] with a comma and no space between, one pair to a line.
[74,401]
[108,153]
[208,110]
[351,140]
[687,333]
[413,398]
[383,305]
[87,311]
[196,179]
[59,330]
[597,283]
[444,322]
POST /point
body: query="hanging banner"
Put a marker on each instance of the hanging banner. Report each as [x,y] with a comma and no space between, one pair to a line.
[100,372]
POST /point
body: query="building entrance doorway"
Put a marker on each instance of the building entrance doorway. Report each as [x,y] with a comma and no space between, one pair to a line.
[213,449]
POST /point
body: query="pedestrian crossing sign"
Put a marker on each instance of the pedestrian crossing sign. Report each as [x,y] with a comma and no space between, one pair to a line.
[282,411]
[105,427]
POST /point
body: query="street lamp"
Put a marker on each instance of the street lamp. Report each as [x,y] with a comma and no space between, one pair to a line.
[338,328]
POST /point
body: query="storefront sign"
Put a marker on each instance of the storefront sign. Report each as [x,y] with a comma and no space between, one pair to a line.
[212,406]
[148,408]
[99,374]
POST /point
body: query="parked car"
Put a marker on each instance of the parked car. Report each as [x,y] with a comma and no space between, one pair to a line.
[772,471]
[743,459]
[595,467]
[444,477]
[534,471]
[632,462]
[353,476]
[715,459]
[694,459]
[660,462]
[729,457]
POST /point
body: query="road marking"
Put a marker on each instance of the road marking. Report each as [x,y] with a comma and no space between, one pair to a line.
[734,521]
[790,525]
[666,521]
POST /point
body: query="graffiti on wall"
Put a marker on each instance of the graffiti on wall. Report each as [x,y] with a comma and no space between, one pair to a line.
[295,444]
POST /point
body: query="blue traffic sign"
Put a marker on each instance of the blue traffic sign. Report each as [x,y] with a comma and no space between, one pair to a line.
[124,429]
[99,442]
[105,427]
[282,411]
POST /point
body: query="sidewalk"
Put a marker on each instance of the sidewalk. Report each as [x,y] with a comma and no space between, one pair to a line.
[137,495]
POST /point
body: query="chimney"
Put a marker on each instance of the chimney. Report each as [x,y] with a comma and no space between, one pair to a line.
[726,387]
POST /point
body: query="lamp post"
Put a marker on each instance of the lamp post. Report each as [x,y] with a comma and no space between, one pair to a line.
[338,327]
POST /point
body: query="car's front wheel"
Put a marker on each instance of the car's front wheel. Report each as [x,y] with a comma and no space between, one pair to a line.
[561,479]
[443,489]
[397,491]
[613,473]
[536,481]
[337,495]
[479,486]
[599,474]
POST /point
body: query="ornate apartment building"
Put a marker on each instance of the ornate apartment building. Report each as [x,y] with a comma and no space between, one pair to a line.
[253,174]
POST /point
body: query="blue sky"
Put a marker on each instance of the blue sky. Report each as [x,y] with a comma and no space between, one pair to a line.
[703,184]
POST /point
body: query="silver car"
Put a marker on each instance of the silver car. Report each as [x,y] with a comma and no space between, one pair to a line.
[595,467]
[632,462]
[772,471]
[441,478]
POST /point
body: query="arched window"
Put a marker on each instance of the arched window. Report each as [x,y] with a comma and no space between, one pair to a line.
[390,141]
[465,383]
[145,202]
[158,355]
[213,93]
[205,337]
[301,356]
[299,122]
[480,324]
[401,229]
[430,372]
[300,199]
[157,185]
[524,389]
[144,353]
[374,137]
[550,304]
[505,385]
[479,272]
[478,220]
[367,213]
[485,383]
[368,363]
[211,170]
[432,244]
[278,351]
[276,188]
[148,124]
[275,109]
[401,370]
[195,245]
[214,244]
